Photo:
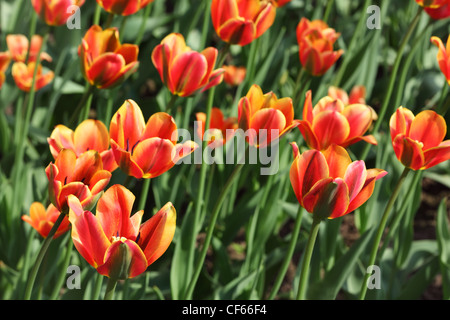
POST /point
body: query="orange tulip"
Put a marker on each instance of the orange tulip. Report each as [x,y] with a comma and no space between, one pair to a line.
[5,58]
[331,122]
[123,7]
[83,177]
[219,129]
[55,12]
[234,75]
[43,220]
[357,95]
[105,62]
[145,150]
[114,243]
[89,135]
[328,184]
[442,12]
[443,56]
[241,21]
[266,117]
[183,70]
[315,40]
[18,46]
[23,76]
[418,140]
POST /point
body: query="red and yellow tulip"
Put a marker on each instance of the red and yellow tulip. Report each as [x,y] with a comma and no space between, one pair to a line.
[117,245]
[242,21]
[280,3]
[55,12]
[89,135]
[261,115]
[220,128]
[331,122]
[418,140]
[145,150]
[5,59]
[183,70]
[23,76]
[356,95]
[123,7]
[443,56]
[105,62]
[18,46]
[328,184]
[83,177]
[316,40]
[43,219]
[431,3]
[234,75]
[442,12]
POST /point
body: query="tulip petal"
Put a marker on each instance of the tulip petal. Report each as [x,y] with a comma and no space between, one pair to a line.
[237,31]
[338,160]
[161,125]
[154,156]
[355,177]
[105,68]
[91,135]
[330,127]
[366,191]
[400,122]
[268,124]
[359,117]
[125,161]
[429,128]
[409,152]
[436,155]
[187,71]
[157,232]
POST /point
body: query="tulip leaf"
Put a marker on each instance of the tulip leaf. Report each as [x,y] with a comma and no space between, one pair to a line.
[443,238]
[335,278]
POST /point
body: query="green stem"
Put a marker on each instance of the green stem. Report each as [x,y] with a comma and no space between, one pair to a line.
[97,13]
[214,216]
[110,288]
[393,78]
[442,106]
[109,21]
[41,255]
[381,228]
[327,12]
[301,294]
[63,272]
[85,103]
[171,103]
[144,193]
[97,286]
[251,63]
[289,254]
[141,32]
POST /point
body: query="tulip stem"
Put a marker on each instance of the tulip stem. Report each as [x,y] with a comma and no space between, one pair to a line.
[393,78]
[65,263]
[171,103]
[381,228]
[110,289]
[85,103]
[141,32]
[442,106]
[290,252]
[301,294]
[214,216]
[41,255]
[144,193]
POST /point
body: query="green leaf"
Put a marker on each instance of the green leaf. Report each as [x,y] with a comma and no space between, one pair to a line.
[333,281]
[443,240]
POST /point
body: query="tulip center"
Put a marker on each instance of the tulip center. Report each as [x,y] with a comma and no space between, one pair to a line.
[132,148]
[420,143]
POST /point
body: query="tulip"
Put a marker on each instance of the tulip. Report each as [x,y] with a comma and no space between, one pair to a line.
[328,184]
[89,135]
[23,76]
[442,12]
[234,75]
[43,219]
[241,21]
[418,140]
[5,58]
[431,3]
[219,129]
[55,12]
[117,245]
[18,46]
[105,62]
[357,95]
[81,176]
[263,115]
[123,7]
[331,122]
[183,70]
[315,40]
[443,56]
[145,150]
